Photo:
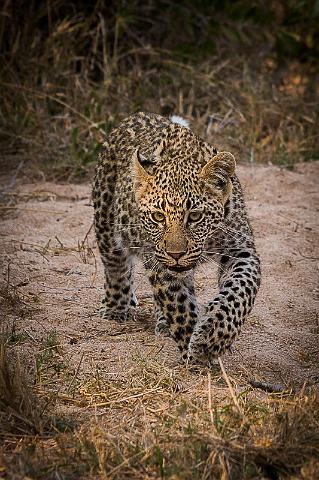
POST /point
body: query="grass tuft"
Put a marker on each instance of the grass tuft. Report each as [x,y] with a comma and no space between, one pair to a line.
[146,424]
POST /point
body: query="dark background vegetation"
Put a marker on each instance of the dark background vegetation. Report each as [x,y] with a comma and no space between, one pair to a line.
[245,72]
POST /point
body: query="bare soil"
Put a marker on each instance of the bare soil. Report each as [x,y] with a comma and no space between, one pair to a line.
[49,257]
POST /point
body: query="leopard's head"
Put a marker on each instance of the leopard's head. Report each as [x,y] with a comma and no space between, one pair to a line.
[181,203]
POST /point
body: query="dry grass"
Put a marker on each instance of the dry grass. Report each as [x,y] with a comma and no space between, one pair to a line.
[74,72]
[145,425]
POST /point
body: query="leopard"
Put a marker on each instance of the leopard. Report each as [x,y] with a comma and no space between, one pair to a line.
[165,196]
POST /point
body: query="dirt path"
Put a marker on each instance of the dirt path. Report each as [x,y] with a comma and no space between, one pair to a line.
[49,254]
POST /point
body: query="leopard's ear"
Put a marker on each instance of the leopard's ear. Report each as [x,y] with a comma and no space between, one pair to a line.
[159,149]
[139,173]
[140,176]
[219,170]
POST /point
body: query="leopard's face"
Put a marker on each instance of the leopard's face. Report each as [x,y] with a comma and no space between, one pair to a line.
[179,228]
[179,214]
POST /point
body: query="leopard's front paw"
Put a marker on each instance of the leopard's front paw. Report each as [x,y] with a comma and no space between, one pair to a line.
[198,353]
[207,343]
[114,315]
[108,314]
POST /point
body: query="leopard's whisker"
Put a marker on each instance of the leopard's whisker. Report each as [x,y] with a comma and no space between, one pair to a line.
[231,234]
[210,259]
[231,231]
[220,254]
[128,225]
[221,244]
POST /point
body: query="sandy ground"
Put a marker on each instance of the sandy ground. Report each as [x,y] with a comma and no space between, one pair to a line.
[48,253]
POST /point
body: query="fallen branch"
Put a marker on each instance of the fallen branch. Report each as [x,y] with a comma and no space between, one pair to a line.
[268,387]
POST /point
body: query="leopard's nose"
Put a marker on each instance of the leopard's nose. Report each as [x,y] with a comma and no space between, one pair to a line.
[176,255]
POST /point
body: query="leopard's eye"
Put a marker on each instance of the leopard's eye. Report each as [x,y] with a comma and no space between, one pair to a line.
[158,217]
[195,216]
[220,182]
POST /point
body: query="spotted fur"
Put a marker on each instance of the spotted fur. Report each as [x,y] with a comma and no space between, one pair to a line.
[163,194]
